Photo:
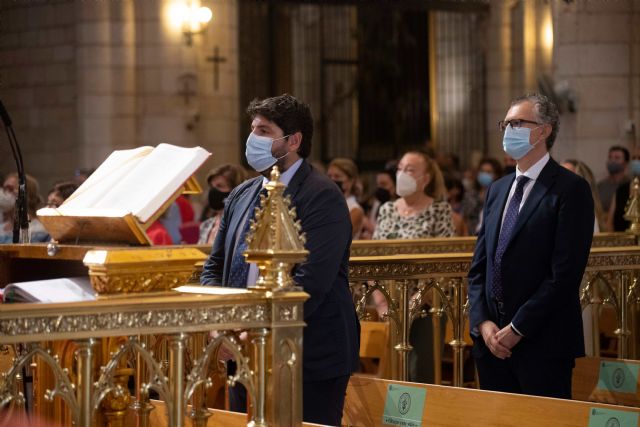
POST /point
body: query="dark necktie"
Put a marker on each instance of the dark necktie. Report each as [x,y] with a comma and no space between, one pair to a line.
[510,219]
[239,271]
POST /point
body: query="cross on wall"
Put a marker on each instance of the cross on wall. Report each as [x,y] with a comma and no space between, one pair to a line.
[216,59]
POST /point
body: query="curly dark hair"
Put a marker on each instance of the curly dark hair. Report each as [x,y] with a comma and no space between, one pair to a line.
[289,114]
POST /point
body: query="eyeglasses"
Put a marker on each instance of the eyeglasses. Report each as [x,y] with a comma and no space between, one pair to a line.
[515,123]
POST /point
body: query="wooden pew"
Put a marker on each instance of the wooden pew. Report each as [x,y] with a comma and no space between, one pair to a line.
[586,375]
[158,417]
[374,344]
[460,407]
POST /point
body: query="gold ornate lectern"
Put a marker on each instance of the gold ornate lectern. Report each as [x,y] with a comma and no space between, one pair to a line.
[109,336]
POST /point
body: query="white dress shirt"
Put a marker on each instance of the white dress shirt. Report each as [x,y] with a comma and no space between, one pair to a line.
[532,173]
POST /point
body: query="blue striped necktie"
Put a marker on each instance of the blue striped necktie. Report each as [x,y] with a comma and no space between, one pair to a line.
[239,271]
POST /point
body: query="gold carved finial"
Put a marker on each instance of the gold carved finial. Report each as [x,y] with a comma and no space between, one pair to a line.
[632,210]
[275,241]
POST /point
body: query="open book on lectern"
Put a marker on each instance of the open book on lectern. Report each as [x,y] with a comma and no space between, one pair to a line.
[123,197]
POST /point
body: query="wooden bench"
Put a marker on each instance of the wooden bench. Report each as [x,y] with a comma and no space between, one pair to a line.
[158,417]
[460,407]
[374,344]
[585,382]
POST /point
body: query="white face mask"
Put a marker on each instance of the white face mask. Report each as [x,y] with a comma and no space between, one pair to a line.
[406,185]
[7,200]
[258,152]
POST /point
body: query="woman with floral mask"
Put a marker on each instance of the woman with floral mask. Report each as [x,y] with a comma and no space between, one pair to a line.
[344,173]
[221,181]
[421,210]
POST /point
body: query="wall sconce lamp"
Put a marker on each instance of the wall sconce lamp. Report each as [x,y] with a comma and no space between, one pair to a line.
[192,18]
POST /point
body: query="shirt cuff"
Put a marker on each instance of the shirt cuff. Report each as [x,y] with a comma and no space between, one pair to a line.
[515,330]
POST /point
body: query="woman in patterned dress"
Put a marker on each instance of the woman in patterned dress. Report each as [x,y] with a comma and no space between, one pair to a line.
[420,212]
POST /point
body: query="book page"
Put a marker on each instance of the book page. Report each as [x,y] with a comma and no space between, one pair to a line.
[114,169]
[66,289]
[153,180]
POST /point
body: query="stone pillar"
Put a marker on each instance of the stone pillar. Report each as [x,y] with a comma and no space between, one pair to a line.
[597,49]
[106,86]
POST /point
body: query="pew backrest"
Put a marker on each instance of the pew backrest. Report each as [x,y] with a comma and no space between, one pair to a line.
[613,381]
[461,407]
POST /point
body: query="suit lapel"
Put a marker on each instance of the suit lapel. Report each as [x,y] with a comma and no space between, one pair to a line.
[494,219]
[297,180]
[237,218]
[542,185]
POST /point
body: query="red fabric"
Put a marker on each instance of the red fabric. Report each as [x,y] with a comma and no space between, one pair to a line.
[159,234]
[186,210]
[190,233]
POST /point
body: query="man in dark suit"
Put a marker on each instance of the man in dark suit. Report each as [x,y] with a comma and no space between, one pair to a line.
[281,132]
[525,314]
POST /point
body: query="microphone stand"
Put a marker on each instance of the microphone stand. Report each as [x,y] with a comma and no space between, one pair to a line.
[21,218]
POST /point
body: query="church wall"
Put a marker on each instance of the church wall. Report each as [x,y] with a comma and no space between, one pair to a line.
[596,55]
[38,87]
[83,78]
[594,61]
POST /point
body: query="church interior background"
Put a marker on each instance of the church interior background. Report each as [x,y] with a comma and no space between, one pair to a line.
[82,78]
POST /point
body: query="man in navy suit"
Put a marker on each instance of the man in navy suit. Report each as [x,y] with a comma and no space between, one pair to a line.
[525,314]
[281,132]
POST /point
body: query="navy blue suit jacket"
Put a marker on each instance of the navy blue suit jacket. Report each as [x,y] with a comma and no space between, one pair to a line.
[542,266]
[331,337]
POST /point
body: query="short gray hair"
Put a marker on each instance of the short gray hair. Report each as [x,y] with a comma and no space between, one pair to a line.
[546,111]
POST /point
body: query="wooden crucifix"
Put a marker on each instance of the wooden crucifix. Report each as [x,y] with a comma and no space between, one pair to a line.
[217,60]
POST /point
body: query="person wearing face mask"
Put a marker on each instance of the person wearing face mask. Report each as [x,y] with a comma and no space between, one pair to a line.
[615,219]
[221,181]
[523,285]
[281,132]
[385,191]
[37,232]
[421,210]
[489,169]
[344,173]
[617,167]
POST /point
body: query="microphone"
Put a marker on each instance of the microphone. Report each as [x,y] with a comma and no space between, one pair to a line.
[21,220]
[4,115]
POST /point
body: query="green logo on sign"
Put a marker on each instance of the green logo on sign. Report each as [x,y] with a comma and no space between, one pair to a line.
[404,403]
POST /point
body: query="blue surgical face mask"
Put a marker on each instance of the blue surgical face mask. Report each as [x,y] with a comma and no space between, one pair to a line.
[258,152]
[516,142]
[485,179]
[635,167]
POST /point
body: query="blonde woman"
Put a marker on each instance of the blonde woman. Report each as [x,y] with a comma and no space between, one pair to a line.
[581,169]
[421,210]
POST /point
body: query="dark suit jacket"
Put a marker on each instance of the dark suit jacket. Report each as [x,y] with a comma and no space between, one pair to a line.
[542,266]
[331,337]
